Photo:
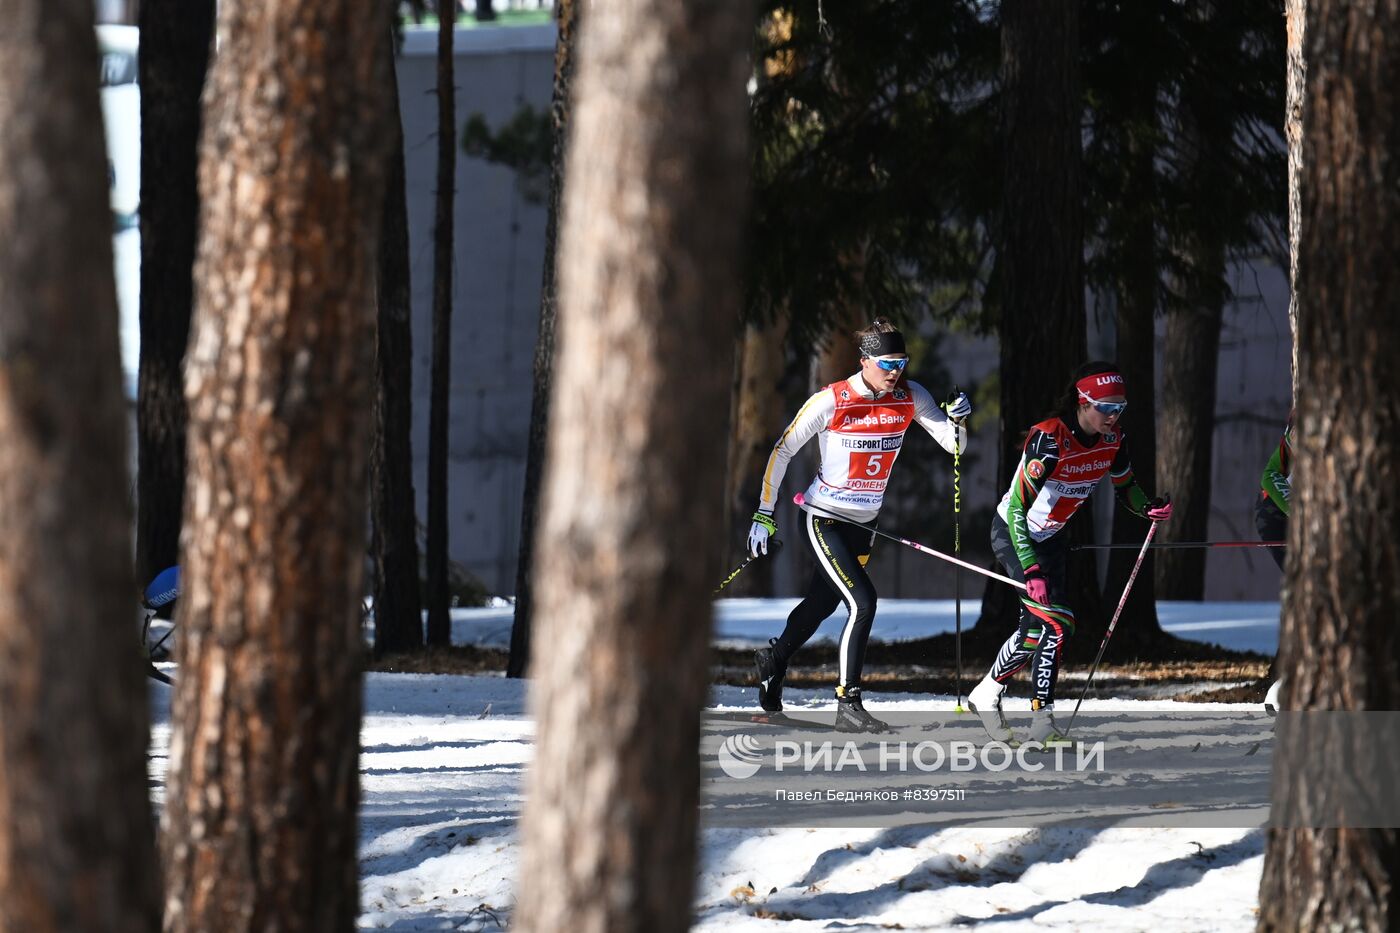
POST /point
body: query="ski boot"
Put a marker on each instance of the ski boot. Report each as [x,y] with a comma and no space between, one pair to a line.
[1044,732]
[985,701]
[770,677]
[851,715]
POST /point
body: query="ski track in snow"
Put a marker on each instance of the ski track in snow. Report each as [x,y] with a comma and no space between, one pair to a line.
[442,769]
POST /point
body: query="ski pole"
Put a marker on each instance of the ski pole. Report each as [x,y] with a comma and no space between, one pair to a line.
[774,546]
[1113,623]
[800,499]
[146,634]
[957,552]
[163,639]
[1168,545]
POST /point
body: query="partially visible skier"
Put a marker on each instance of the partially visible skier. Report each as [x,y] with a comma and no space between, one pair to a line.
[859,424]
[1271,514]
[1275,491]
[158,599]
[1063,459]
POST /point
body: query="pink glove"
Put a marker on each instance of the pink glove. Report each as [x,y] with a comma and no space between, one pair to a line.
[1160,509]
[1036,587]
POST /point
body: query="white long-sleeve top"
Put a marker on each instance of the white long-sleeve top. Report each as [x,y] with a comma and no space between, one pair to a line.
[860,433]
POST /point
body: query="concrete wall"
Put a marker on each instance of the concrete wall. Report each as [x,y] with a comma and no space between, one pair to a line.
[1253,397]
[499,255]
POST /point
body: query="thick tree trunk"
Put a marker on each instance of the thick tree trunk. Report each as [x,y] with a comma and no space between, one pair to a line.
[76,848]
[1191,353]
[1296,16]
[567,17]
[1041,272]
[439,437]
[261,803]
[629,543]
[1187,433]
[1137,358]
[1339,644]
[398,605]
[485,11]
[837,356]
[1137,289]
[175,40]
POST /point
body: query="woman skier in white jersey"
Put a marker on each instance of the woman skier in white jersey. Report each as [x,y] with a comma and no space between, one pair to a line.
[860,424]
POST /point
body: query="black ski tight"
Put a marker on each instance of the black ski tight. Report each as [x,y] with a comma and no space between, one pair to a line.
[841,549]
[1272,525]
[1043,631]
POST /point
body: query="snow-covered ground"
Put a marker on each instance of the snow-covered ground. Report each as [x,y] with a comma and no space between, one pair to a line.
[442,767]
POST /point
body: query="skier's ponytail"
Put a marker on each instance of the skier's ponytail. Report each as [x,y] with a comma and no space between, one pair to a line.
[880,325]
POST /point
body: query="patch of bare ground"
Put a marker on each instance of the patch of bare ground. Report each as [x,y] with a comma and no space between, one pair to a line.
[1206,674]
[1245,693]
[453,659]
[1229,677]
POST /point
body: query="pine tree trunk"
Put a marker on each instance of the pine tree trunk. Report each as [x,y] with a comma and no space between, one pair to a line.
[836,357]
[628,551]
[1137,290]
[439,436]
[756,406]
[1042,326]
[1191,354]
[1296,16]
[261,801]
[175,40]
[398,607]
[1137,359]
[757,418]
[1187,433]
[567,17]
[1339,647]
[77,852]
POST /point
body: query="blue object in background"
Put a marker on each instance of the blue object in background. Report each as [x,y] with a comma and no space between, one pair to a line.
[164,589]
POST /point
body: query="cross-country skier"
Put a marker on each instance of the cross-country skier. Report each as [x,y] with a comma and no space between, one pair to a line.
[158,599]
[859,424]
[1275,490]
[1063,459]
[1271,513]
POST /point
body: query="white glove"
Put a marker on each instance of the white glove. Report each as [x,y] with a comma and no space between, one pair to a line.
[763,526]
[958,406]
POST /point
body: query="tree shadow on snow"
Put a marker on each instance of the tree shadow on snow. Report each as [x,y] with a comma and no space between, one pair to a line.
[1160,879]
[449,920]
[465,820]
[946,869]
